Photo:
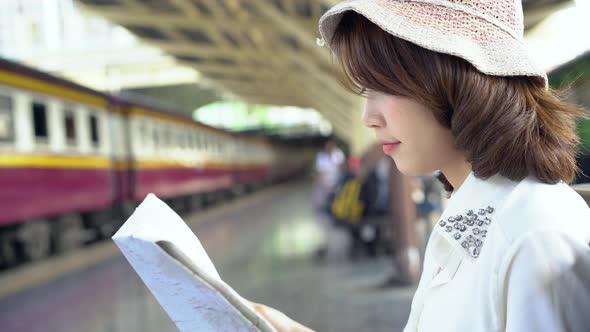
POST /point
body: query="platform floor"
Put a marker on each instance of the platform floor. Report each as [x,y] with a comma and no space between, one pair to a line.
[262,245]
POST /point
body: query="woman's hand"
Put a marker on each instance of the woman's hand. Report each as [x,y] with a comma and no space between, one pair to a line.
[279,320]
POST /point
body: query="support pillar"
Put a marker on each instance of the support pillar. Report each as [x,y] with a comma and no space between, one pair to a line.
[403,218]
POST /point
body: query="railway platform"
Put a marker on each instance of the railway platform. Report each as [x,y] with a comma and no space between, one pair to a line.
[262,245]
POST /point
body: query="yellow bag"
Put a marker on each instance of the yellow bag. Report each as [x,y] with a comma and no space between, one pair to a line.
[347,205]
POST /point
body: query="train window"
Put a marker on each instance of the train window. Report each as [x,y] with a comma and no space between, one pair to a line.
[156,138]
[70,127]
[193,140]
[94,135]
[188,139]
[143,132]
[199,141]
[206,142]
[40,122]
[6,119]
[167,138]
[181,140]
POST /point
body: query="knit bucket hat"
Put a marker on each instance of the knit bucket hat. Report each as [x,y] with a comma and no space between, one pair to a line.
[486,33]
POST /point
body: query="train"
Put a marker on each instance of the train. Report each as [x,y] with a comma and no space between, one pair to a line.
[75,162]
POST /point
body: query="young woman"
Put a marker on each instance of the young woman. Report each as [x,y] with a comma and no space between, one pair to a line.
[450,87]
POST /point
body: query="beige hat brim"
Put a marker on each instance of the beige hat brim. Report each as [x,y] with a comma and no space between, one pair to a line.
[489,49]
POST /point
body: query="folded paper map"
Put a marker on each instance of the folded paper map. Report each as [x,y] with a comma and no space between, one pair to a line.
[172,263]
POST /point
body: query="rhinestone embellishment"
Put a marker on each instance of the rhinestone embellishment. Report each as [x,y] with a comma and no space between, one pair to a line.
[473,224]
[473,251]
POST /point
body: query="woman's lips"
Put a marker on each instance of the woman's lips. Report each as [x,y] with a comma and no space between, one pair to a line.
[390,147]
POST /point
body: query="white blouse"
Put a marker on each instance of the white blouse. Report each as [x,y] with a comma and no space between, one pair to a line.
[507,256]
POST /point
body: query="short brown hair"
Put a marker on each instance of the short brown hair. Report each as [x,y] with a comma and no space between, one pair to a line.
[511,126]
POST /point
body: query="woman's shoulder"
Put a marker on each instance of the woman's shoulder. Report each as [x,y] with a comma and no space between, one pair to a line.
[545,265]
[536,207]
[494,216]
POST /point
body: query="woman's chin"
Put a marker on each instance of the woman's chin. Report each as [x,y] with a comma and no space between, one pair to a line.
[404,168]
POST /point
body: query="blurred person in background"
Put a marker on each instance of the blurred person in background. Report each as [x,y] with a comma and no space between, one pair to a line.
[329,167]
[449,86]
[371,233]
[329,164]
[392,197]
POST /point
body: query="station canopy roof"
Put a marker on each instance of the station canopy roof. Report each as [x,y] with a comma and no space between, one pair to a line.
[263,51]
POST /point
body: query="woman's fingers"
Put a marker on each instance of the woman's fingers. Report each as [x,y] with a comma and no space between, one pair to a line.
[278,320]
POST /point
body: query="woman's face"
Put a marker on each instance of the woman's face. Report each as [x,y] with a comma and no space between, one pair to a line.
[410,134]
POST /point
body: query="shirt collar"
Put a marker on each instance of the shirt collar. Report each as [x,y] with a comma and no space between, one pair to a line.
[471,210]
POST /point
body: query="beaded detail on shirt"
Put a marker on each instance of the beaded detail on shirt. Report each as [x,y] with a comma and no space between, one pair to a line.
[469,229]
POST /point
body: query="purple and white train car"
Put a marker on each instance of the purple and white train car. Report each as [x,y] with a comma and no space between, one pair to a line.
[74,162]
[56,162]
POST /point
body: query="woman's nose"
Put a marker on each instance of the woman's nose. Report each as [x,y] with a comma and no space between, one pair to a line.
[371,118]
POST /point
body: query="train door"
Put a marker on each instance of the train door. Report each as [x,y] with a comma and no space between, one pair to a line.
[120,153]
